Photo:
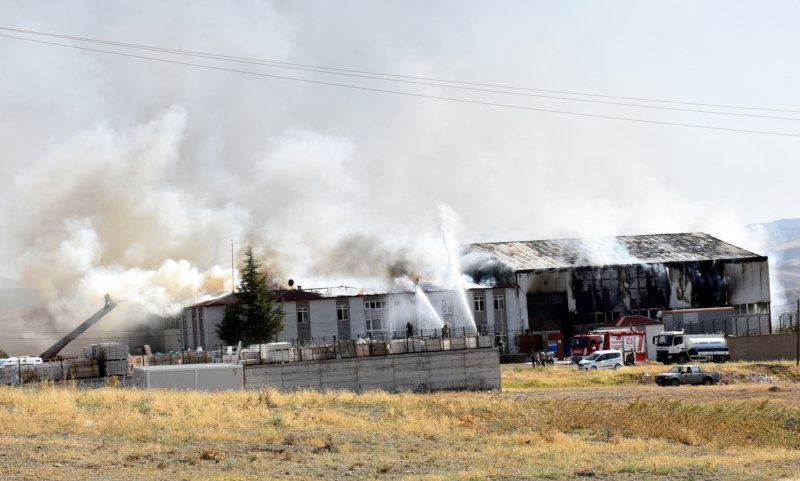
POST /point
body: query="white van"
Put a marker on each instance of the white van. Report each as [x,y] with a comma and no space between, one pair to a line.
[608,359]
[20,361]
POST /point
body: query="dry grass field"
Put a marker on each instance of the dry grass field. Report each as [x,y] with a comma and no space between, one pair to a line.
[553,423]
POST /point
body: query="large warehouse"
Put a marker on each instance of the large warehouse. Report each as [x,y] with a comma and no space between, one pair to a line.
[546,286]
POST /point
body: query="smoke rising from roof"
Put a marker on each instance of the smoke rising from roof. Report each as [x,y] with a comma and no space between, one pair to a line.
[130,177]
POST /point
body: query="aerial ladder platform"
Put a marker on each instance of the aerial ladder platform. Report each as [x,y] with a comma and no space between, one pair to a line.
[53,351]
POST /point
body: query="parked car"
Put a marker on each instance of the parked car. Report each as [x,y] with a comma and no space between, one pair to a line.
[606,359]
[693,374]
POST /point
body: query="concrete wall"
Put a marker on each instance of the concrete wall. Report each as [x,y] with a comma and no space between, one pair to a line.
[467,369]
[763,348]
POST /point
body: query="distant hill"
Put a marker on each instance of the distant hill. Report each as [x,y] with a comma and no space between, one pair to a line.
[783,248]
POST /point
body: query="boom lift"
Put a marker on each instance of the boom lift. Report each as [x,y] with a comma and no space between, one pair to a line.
[53,351]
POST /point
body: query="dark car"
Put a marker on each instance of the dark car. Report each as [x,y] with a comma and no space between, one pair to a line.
[687,374]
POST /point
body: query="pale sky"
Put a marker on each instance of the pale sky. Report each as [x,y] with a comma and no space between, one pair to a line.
[123,168]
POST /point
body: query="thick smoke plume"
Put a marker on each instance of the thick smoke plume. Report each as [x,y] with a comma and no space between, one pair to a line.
[133,177]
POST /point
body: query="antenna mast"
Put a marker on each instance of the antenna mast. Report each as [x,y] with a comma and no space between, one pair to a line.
[233,273]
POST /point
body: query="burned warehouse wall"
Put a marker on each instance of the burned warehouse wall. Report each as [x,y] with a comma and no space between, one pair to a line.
[566,287]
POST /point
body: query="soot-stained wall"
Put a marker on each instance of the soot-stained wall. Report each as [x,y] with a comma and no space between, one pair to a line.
[643,289]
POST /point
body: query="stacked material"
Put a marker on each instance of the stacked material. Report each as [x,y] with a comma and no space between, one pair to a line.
[484,341]
[113,357]
[379,348]
[110,351]
[306,353]
[164,359]
[116,368]
[347,349]
[433,344]
[140,360]
[53,371]
[319,353]
[362,350]
[457,343]
[230,359]
[84,368]
[8,375]
[197,357]
[399,346]
[251,358]
[402,346]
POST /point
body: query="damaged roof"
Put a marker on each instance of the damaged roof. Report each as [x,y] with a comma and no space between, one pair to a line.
[609,251]
[281,295]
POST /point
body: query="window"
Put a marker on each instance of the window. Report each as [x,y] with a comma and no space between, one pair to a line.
[499,303]
[757,308]
[374,326]
[342,313]
[368,305]
[375,318]
[447,311]
[302,315]
[447,306]
[480,306]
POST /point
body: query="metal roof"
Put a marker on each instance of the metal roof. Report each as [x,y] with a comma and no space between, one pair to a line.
[608,251]
[283,295]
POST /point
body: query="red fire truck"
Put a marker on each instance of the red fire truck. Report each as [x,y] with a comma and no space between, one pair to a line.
[630,342]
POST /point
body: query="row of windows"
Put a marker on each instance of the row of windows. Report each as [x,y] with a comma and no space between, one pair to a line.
[370,308]
[480,306]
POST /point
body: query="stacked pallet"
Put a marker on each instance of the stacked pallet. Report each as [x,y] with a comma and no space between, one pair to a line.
[84,368]
[433,344]
[8,375]
[110,351]
[347,349]
[319,353]
[362,350]
[53,371]
[197,357]
[113,357]
[164,359]
[379,348]
[140,360]
[250,358]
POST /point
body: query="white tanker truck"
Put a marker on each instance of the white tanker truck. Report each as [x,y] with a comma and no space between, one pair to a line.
[675,346]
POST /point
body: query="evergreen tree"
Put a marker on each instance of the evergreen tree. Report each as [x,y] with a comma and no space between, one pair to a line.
[256,317]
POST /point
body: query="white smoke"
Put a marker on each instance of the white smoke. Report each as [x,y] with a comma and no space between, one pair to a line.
[102,217]
[132,177]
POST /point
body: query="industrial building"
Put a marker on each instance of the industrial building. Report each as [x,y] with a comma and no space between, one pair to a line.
[552,287]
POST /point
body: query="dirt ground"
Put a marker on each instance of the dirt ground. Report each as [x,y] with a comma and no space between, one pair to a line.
[782,393]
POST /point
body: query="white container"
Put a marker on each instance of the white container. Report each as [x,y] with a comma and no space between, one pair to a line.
[200,377]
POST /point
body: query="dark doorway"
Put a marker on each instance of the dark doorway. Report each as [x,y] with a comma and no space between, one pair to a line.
[547,311]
